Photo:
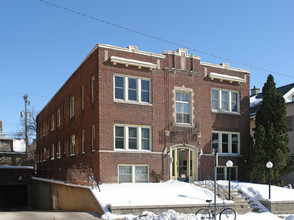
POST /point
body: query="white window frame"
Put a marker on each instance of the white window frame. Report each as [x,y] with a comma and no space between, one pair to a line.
[58,149]
[133,138]
[182,103]
[83,141]
[93,138]
[52,152]
[220,142]
[92,98]
[44,154]
[126,89]
[72,107]
[58,117]
[190,93]
[52,122]
[72,145]
[133,171]
[226,171]
[220,101]
[83,98]
[44,128]
[139,137]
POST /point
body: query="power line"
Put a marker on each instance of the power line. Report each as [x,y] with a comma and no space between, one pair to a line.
[21,94]
[164,40]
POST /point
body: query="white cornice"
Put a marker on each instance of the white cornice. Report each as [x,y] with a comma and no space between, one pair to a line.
[131,62]
[290,92]
[224,67]
[131,49]
[229,78]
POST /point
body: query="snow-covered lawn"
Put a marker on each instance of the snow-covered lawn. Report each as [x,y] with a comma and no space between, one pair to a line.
[177,193]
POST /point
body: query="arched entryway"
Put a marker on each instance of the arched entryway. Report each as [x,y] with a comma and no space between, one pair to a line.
[184,163]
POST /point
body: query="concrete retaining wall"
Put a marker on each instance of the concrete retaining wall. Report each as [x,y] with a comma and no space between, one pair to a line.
[49,195]
[159,209]
[279,207]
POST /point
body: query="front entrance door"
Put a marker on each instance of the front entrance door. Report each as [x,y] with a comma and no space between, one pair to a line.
[182,167]
[183,157]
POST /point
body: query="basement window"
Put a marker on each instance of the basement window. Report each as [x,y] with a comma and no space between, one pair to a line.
[133,174]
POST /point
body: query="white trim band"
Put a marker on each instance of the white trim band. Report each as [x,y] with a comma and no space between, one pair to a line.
[131,62]
[229,78]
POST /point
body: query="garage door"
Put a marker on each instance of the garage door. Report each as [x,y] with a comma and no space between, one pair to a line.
[15,196]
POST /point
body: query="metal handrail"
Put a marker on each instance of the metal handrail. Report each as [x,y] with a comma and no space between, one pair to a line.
[220,190]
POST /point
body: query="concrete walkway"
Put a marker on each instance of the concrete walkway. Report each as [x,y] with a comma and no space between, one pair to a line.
[47,215]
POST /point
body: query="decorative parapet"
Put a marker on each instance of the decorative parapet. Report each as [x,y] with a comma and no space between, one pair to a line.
[131,62]
[223,77]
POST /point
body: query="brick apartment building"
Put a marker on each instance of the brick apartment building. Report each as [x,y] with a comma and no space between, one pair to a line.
[134,116]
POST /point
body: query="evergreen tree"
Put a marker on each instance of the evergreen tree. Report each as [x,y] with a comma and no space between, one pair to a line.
[271,139]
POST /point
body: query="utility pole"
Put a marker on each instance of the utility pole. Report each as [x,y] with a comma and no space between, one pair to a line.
[25,97]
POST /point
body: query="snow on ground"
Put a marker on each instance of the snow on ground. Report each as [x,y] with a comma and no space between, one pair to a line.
[171,193]
[175,193]
[261,191]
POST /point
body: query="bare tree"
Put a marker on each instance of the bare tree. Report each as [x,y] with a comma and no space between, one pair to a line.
[31,125]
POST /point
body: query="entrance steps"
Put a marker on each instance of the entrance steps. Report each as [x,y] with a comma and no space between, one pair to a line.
[243,204]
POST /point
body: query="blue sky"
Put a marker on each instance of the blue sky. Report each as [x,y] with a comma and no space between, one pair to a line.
[41,45]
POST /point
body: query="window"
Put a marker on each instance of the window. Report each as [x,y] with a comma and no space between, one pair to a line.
[119,87]
[145,138]
[92,98]
[125,174]
[132,89]
[44,154]
[214,140]
[214,99]
[52,152]
[52,122]
[58,117]
[223,173]
[82,97]
[141,174]
[224,100]
[83,141]
[58,154]
[227,142]
[72,107]
[183,110]
[93,138]
[72,145]
[119,137]
[64,146]
[145,90]
[132,137]
[44,128]
[133,174]
[289,123]
[235,143]
[220,173]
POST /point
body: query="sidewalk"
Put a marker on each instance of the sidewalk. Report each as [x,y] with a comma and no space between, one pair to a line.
[47,215]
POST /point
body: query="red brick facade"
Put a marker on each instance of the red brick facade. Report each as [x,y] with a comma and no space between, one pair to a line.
[167,74]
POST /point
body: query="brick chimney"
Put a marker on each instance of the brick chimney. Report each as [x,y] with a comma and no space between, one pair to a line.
[0,127]
[255,91]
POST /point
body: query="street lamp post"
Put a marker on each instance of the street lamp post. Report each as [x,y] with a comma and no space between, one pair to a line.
[269,165]
[25,97]
[229,164]
[215,149]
